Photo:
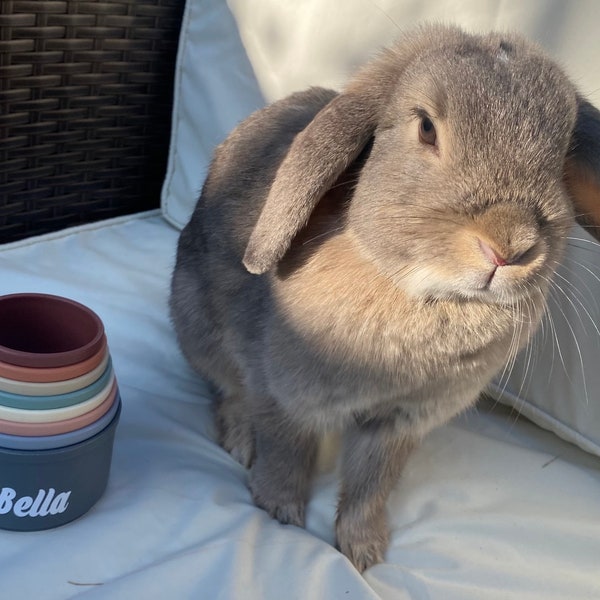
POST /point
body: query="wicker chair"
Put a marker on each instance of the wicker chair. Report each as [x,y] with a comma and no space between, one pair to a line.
[85,97]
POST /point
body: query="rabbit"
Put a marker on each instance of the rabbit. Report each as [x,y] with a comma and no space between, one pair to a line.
[367,261]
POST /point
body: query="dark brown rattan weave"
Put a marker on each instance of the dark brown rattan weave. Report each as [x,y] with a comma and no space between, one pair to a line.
[85,109]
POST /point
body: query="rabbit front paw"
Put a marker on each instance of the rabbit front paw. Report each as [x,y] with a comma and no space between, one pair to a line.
[282,506]
[364,542]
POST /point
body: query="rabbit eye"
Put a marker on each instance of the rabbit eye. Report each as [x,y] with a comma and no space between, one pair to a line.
[427,133]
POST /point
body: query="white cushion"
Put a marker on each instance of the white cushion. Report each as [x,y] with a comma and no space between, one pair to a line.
[233,57]
[486,509]
[214,89]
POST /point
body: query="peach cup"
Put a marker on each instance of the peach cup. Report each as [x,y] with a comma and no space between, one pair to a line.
[54,388]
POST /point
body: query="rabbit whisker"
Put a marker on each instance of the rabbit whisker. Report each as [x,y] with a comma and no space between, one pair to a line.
[579,239]
[511,355]
[587,269]
[575,340]
[322,235]
[528,374]
[575,274]
[556,338]
[571,301]
[385,14]
[514,350]
[346,182]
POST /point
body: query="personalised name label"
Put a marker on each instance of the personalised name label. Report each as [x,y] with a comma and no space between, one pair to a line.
[45,503]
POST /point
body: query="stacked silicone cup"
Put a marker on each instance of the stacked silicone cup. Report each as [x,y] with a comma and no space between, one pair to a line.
[59,408]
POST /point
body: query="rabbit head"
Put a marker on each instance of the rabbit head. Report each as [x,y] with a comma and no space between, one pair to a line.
[480,154]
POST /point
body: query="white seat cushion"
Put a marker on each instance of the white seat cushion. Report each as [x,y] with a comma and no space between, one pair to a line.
[490,507]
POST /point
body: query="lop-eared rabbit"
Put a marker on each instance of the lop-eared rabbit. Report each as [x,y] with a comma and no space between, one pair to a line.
[366,261]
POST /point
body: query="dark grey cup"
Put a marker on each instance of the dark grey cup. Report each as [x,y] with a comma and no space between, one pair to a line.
[41,489]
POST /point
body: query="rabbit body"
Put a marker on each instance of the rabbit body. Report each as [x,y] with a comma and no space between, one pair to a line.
[414,275]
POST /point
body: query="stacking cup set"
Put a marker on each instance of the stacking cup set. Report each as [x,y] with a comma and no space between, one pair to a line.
[59,408]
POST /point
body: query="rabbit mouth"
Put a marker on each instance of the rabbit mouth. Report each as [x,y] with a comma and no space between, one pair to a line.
[511,268]
[490,287]
[508,284]
[473,263]
[481,278]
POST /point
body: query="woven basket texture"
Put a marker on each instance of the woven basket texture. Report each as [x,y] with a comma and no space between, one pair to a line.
[85,109]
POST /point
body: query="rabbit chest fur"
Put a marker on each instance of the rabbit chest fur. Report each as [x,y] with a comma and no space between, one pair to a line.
[367,261]
[355,346]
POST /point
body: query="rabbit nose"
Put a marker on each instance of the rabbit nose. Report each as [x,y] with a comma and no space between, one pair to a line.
[516,257]
[500,259]
[493,255]
[508,235]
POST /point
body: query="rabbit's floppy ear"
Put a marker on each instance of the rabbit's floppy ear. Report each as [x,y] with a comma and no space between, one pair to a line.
[583,167]
[318,156]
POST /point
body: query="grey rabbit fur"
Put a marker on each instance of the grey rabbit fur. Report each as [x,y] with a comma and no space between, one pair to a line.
[366,261]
